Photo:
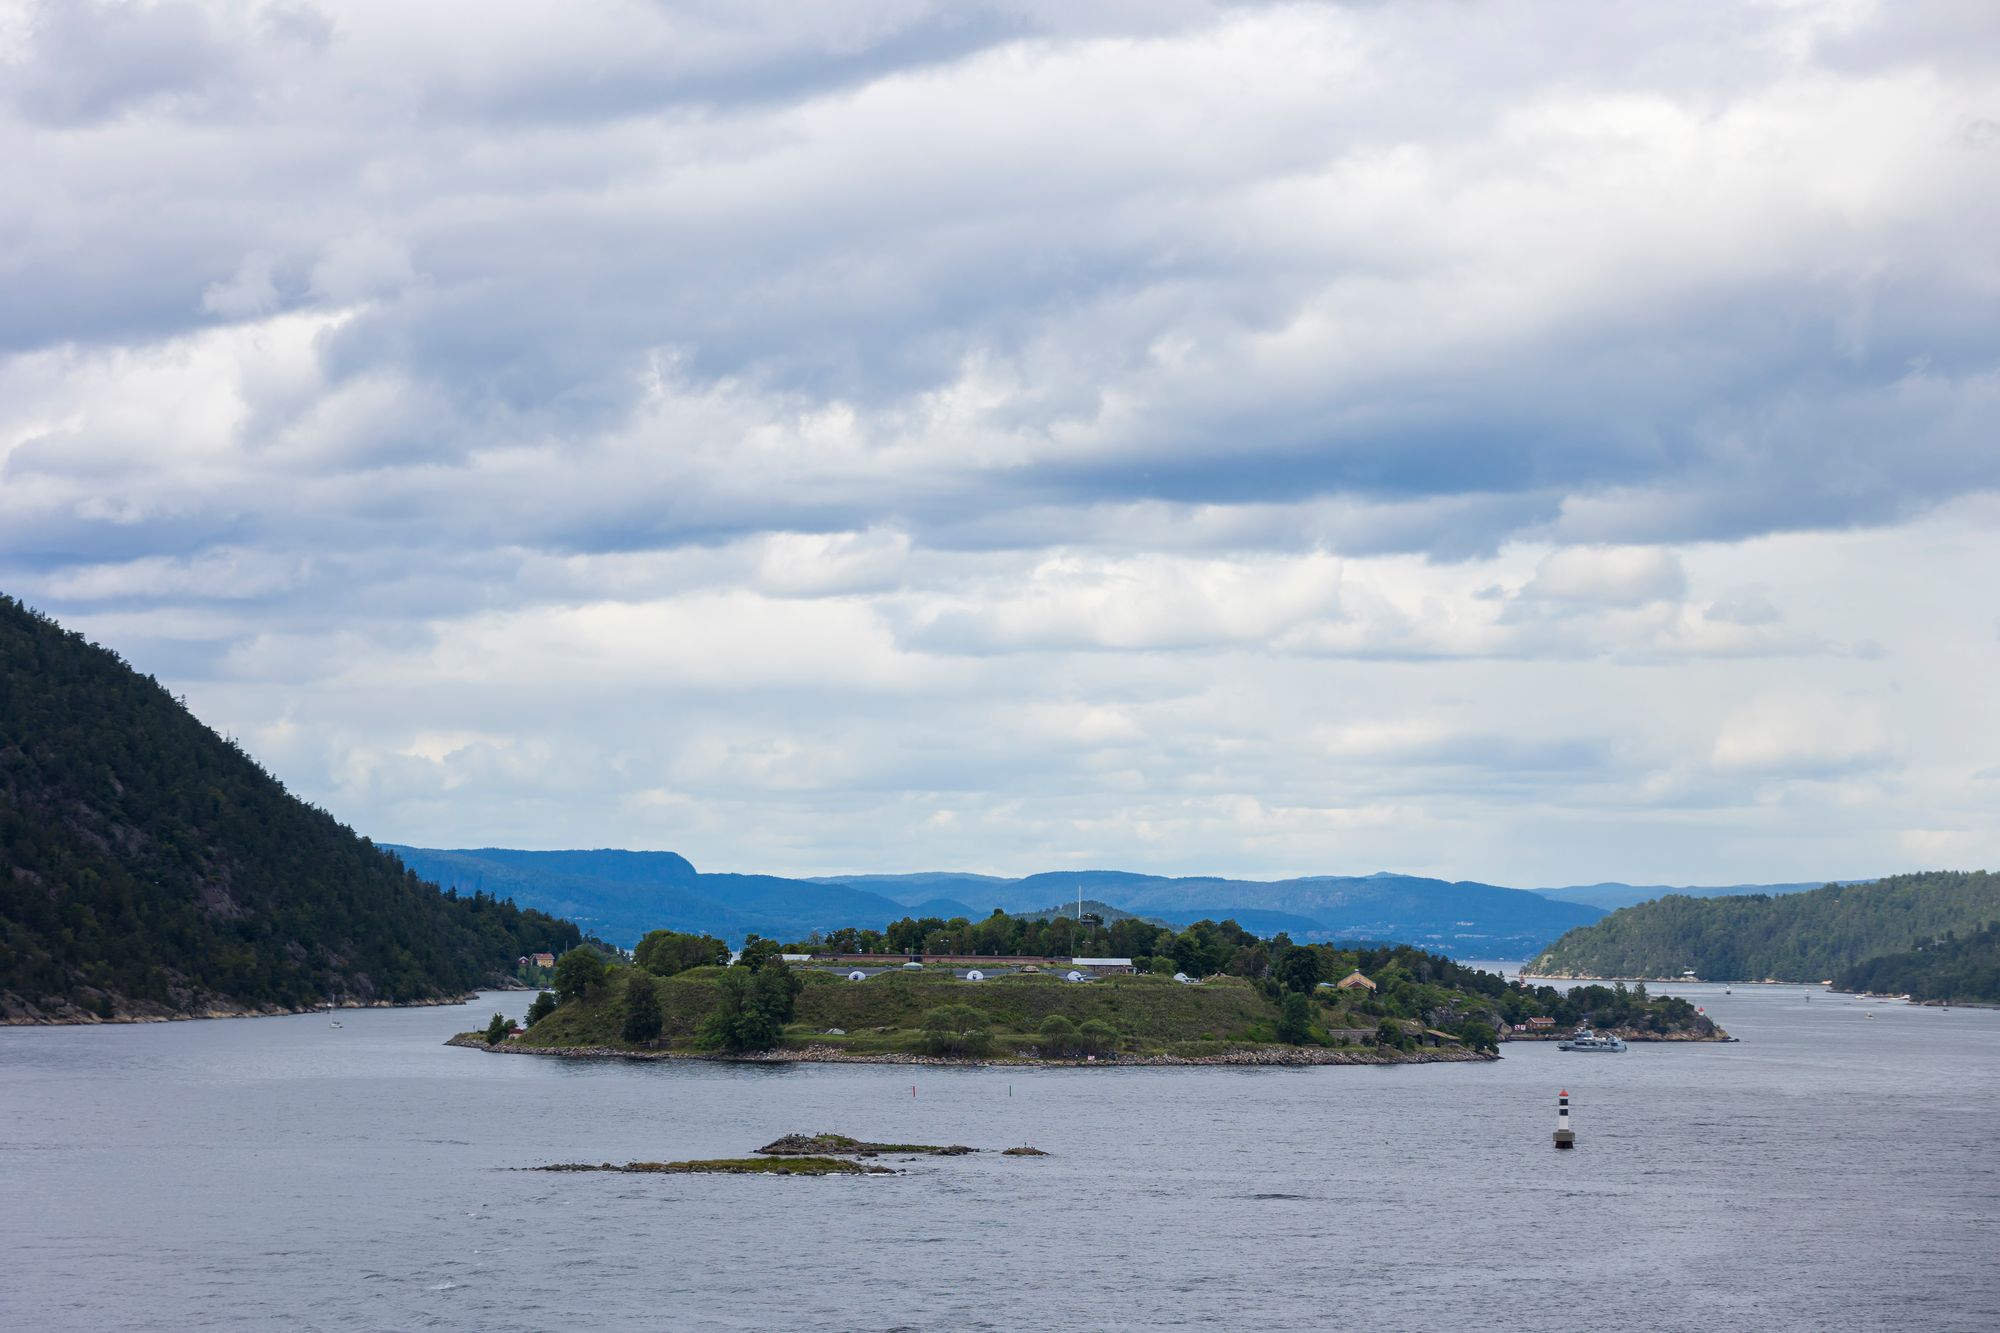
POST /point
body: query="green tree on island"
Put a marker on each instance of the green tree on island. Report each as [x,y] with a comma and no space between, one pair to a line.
[544,1004]
[752,1008]
[496,1031]
[578,972]
[666,953]
[642,1007]
[1096,1036]
[1298,969]
[1295,1015]
[1058,1036]
[957,1029]
[757,951]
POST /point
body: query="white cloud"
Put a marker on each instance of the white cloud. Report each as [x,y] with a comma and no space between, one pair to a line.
[1805,735]
[219,573]
[1631,576]
[1242,436]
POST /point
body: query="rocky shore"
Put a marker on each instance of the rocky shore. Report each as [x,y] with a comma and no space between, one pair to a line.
[1625,1034]
[1250,1055]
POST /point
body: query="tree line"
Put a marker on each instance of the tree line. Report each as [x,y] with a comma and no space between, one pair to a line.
[1952,969]
[1808,937]
[1413,989]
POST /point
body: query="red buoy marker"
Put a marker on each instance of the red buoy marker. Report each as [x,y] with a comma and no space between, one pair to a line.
[1565,1136]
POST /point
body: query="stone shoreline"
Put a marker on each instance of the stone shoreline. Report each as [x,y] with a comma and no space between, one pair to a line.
[1664,981]
[1248,1056]
[1623,1034]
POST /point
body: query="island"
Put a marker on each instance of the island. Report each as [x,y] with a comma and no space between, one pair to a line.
[1275,1003]
[795,1155]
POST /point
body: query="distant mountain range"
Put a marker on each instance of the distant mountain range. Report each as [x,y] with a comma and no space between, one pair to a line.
[620,895]
[1464,917]
[1611,897]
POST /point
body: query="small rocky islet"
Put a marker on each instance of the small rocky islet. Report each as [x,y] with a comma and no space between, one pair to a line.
[839,1145]
[794,1155]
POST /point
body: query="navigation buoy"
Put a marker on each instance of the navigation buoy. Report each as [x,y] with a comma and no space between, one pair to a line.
[1565,1136]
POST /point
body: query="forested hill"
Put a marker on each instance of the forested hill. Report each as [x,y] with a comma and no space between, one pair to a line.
[150,868]
[1797,937]
[1956,969]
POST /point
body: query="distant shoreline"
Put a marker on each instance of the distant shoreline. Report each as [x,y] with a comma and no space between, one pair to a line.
[1672,981]
[1264,1057]
[89,1020]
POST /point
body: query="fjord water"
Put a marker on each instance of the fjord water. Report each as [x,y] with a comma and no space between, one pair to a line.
[1831,1171]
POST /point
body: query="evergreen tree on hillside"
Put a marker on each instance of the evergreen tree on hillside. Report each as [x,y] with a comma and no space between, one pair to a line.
[642,1007]
[150,866]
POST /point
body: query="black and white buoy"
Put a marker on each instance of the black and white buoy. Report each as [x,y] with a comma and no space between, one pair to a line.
[1565,1136]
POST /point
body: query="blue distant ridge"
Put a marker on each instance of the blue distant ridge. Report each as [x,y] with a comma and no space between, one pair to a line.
[619,895]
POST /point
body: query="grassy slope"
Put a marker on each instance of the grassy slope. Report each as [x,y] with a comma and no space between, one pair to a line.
[1152,1012]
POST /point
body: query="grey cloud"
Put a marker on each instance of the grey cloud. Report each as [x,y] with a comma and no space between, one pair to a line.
[344,337]
[1743,608]
[87,60]
[539,315]
[728,55]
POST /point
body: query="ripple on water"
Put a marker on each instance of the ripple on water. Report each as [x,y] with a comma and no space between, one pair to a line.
[1775,1185]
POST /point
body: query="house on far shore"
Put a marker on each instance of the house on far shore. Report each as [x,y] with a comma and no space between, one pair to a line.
[541,960]
[1354,981]
[1104,966]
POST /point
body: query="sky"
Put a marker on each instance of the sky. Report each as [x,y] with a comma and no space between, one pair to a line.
[1540,443]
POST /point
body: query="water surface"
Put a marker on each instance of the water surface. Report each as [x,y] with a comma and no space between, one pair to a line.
[1829,1171]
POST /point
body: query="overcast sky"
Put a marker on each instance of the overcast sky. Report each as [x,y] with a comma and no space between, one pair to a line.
[1541,442]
